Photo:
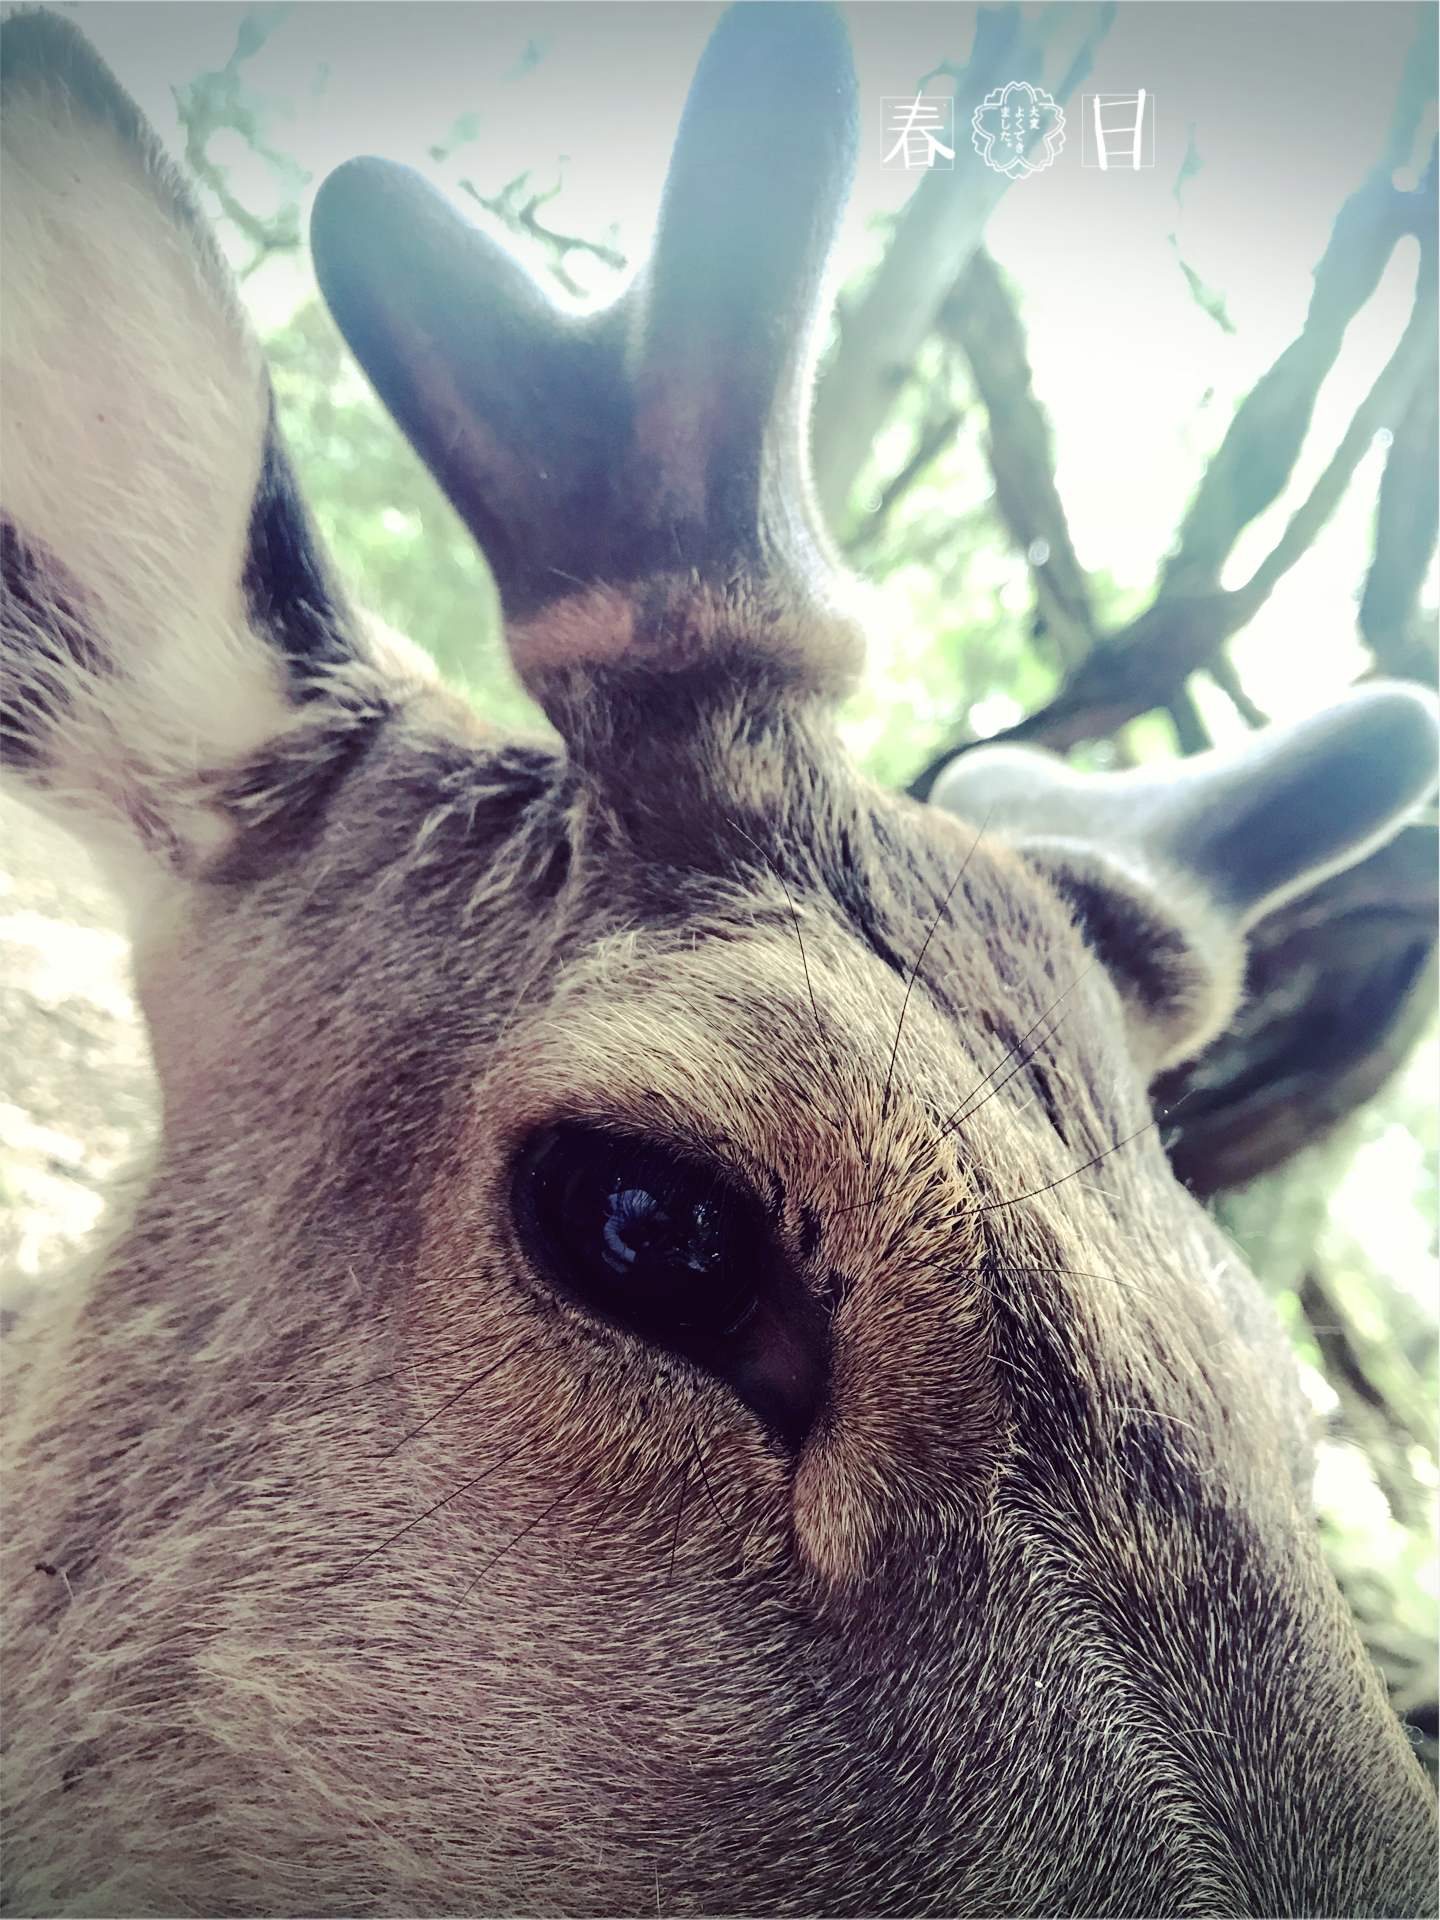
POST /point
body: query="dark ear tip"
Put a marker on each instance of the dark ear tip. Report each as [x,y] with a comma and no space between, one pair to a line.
[35,40]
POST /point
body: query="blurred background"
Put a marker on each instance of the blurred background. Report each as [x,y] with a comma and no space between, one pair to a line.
[1126,461]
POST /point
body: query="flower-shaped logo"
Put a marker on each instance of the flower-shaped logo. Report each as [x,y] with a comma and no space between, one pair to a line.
[1014,121]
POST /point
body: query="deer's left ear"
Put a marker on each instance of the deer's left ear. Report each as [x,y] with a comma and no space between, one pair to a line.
[1166,867]
[167,612]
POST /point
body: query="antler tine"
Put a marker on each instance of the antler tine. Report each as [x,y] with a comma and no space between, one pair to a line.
[727,310]
[668,433]
[510,403]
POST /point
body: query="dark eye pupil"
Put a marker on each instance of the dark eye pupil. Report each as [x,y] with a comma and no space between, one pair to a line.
[636,1234]
[640,1228]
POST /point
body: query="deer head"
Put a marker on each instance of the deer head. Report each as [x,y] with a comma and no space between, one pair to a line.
[659,1360]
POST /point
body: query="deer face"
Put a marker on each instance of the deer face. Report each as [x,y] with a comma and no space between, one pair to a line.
[660,1358]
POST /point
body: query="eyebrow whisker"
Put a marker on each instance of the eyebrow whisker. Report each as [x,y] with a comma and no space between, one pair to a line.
[824,1039]
[679,1516]
[993,1206]
[915,970]
[705,1482]
[965,1110]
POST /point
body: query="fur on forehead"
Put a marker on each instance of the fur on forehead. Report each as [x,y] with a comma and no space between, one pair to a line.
[710,768]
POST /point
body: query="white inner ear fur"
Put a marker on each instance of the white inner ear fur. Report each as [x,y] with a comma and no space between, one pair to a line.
[135,413]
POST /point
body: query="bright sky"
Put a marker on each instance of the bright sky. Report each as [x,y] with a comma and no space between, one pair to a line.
[1289,102]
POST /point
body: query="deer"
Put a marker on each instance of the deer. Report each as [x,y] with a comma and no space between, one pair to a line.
[657,1361]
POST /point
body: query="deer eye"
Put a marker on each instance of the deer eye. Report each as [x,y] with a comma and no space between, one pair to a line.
[639,1236]
[678,1255]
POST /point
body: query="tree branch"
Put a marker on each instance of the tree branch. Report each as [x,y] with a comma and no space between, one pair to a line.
[1191,735]
[1254,461]
[1386,404]
[980,315]
[1221,669]
[883,328]
[934,437]
[1141,667]
[1384,1404]
[215,102]
[1391,621]
[519,213]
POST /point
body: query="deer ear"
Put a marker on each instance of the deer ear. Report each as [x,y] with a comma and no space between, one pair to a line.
[166,611]
[1166,867]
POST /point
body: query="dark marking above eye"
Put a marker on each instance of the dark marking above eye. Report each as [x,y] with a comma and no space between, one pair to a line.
[81,1759]
[812,1230]
[846,878]
[555,872]
[675,1253]
[1022,1068]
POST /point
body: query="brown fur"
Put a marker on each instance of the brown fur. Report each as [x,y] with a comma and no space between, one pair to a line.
[352,1568]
